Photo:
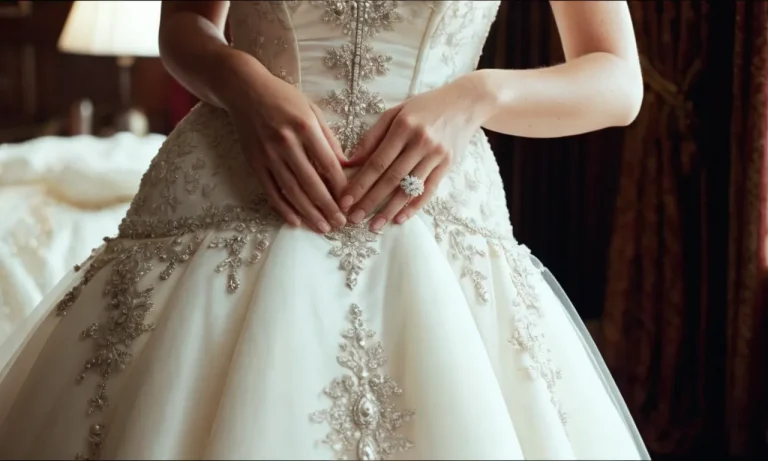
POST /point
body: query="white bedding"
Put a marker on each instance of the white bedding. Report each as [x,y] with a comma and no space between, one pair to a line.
[58,198]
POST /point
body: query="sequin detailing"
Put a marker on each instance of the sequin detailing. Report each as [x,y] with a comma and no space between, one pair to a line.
[254,222]
[95,441]
[356,62]
[196,197]
[169,243]
[456,229]
[363,419]
[526,335]
[128,307]
[353,248]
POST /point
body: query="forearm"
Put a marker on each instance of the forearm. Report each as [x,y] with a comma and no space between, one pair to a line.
[589,93]
[195,52]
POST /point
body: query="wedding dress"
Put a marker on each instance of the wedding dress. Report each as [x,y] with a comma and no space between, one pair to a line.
[208,329]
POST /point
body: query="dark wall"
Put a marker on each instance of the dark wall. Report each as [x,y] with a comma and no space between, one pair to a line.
[38,84]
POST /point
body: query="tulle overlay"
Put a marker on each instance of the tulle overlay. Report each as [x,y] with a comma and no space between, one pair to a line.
[208,329]
[218,373]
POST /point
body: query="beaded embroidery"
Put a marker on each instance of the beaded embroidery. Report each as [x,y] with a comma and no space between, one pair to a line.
[356,62]
[363,418]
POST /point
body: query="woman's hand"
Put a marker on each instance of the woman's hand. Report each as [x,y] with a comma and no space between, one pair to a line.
[293,153]
[419,138]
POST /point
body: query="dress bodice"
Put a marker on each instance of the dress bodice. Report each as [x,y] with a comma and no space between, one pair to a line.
[356,58]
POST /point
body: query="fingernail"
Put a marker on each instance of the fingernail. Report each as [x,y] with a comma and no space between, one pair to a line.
[339,220]
[294,221]
[401,219]
[357,216]
[378,223]
[346,202]
[324,227]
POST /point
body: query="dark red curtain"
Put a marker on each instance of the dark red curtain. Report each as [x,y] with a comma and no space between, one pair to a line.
[180,102]
[685,310]
[746,382]
[660,228]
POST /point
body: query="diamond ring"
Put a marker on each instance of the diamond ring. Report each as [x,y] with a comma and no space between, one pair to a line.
[412,185]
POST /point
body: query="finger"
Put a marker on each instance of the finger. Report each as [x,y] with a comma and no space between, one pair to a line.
[276,199]
[329,135]
[399,198]
[313,185]
[377,165]
[388,182]
[325,163]
[430,186]
[292,190]
[372,138]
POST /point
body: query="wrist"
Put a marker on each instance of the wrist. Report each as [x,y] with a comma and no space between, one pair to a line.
[242,76]
[481,93]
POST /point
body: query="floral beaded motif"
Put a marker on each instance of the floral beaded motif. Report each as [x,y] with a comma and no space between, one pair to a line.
[353,247]
[363,418]
[356,62]
[194,171]
[169,243]
[526,334]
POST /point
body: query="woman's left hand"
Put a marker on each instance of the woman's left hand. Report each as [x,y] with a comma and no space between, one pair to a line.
[419,138]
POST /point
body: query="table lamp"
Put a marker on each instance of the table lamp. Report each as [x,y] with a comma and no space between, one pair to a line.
[124,29]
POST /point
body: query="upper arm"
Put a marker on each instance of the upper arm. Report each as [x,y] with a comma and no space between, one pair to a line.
[596,26]
[215,11]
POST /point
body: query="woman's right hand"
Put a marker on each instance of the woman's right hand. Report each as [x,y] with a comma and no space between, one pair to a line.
[294,154]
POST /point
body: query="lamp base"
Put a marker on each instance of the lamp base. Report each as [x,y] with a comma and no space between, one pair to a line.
[132,120]
[81,117]
[129,118]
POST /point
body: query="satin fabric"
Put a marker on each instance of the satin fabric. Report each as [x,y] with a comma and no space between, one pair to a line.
[209,329]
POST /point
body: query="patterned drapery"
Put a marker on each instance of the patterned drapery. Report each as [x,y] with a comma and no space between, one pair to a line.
[684,319]
[676,247]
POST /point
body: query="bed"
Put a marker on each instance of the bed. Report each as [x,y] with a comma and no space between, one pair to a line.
[59,196]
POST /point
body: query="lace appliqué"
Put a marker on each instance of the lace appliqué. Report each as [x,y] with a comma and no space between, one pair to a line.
[169,167]
[460,29]
[457,229]
[95,262]
[356,62]
[128,307]
[353,247]
[363,419]
[250,223]
[171,243]
[526,335]
[234,261]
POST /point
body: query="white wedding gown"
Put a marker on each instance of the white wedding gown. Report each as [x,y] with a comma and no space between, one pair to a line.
[208,329]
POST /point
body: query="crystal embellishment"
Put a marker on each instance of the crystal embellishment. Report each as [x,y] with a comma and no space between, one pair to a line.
[363,419]
[355,62]
[353,248]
